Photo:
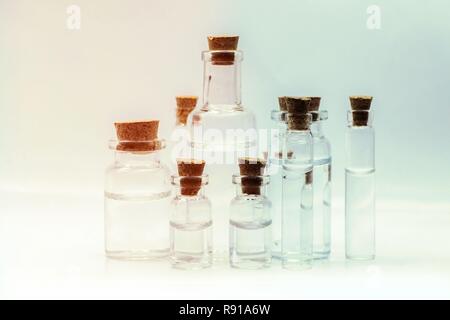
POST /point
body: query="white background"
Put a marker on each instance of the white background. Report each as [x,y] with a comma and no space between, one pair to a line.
[61,90]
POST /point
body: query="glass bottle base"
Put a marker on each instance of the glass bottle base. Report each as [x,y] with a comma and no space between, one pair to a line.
[251,261]
[191,262]
[360,258]
[295,262]
[321,255]
[138,255]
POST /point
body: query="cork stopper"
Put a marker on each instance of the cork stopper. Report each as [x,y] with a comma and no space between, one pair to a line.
[314,104]
[251,170]
[223,43]
[191,170]
[300,122]
[298,105]
[314,108]
[138,136]
[359,103]
[282,103]
[360,106]
[185,105]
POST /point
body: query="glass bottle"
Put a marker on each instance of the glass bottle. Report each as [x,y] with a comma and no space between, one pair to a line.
[297,203]
[221,130]
[360,181]
[250,218]
[275,172]
[322,183]
[191,220]
[137,195]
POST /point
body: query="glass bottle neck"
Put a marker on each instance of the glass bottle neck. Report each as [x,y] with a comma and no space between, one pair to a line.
[241,193]
[181,194]
[316,129]
[222,83]
[148,159]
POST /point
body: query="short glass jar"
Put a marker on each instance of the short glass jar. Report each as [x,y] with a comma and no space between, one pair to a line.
[190,224]
[137,202]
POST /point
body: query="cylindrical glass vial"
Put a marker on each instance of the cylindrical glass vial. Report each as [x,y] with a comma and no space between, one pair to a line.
[137,195]
[322,187]
[191,224]
[297,202]
[274,170]
[360,185]
[250,224]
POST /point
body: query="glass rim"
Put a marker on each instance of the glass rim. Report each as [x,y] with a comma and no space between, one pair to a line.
[278,115]
[158,144]
[323,115]
[176,179]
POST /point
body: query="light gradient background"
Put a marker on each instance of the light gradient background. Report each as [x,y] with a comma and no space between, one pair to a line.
[61,90]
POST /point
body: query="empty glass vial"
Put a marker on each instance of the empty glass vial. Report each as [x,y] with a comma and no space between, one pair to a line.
[321,183]
[360,181]
[190,220]
[250,218]
[274,170]
[137,195]
[297,202]
[221,130]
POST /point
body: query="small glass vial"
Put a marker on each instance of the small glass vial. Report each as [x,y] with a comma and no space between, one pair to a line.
[274,170]
[322,183]
[250,218]
[137,195]
[190,220]
[297,203]
[360,181]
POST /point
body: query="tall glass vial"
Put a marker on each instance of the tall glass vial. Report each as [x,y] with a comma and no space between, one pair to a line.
[274,170]
[360,181]
[191,220]
[322,183]
[297,203]
[221,130]
[137,195]
[250,218]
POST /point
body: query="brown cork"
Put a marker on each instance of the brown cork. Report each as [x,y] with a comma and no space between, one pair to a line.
[359,103]
[138,136]
[299,121]
[282,103]
[314,108]
[223,43]
[185,105]
[298,105]
[191,170]
[251,170]
[314,104]
[361,107]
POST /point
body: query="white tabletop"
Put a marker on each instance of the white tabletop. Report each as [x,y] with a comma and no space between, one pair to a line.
[52,247]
